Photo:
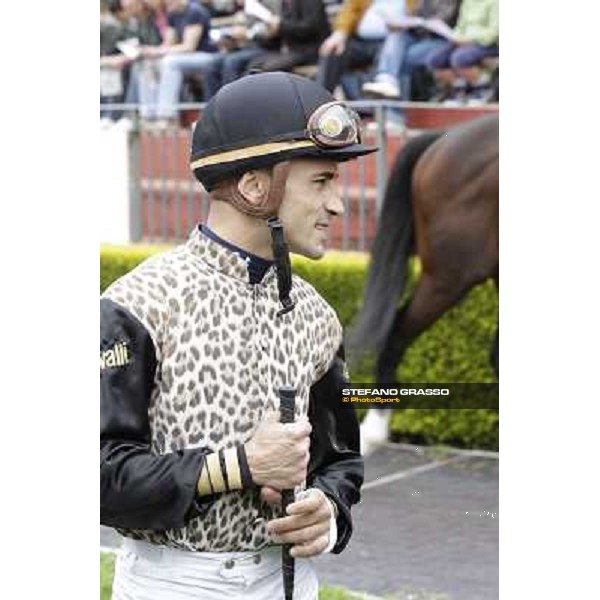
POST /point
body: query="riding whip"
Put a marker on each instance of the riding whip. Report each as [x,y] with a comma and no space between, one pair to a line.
[287,408]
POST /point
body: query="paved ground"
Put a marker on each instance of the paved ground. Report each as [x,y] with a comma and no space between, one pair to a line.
[433,528]
[427,528]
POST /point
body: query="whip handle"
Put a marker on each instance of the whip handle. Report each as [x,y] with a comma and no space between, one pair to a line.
[287,410]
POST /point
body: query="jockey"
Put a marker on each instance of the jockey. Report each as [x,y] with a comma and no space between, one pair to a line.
[195,343]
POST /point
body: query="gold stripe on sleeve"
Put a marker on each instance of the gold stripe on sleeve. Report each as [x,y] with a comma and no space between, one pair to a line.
[234,477]
[216,476]
[204,488]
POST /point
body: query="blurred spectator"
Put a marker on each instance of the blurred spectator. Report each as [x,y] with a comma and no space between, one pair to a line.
[111,59]
[111,27]
[125,26]
[457,63]
[143,27]
[408,43]
[241,43]
[186,48]
[221,8]
[141,21]
[159,14]
[302,27]
[358,34]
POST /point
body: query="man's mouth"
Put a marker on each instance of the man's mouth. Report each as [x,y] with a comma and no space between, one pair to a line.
[322,226]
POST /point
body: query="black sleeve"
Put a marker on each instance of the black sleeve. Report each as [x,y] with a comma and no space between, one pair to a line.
[336,465]
[138,489]
[309,24]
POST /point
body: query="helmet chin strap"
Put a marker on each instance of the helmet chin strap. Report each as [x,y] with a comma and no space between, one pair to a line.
[229,192]
[281,254]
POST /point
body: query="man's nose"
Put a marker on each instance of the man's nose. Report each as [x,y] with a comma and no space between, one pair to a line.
[334,204]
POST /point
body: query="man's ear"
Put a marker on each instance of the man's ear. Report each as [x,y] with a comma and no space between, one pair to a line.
[254,186]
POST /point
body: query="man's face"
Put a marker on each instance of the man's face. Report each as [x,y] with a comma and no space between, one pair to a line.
[311,200]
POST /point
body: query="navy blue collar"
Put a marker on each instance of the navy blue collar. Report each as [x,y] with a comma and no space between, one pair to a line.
[257,266]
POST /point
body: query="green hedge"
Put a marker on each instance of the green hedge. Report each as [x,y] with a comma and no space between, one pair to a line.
[456,348]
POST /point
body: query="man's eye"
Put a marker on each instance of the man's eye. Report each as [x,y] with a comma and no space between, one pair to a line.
[321,182]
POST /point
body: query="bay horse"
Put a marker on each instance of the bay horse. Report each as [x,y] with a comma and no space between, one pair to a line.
[441,203]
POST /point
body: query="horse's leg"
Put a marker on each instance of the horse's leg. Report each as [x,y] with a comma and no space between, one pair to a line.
[374,429]
[393,349]
[432,297]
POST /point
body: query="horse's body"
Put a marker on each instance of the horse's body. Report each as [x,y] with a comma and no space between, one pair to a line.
[441,203]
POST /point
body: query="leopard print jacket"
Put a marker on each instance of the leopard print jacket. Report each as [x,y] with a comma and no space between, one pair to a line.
[218,353]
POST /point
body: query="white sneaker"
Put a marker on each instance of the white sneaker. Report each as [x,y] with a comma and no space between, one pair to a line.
[475,102]
[483,80]
[479,97]
[454,102]
[124,124]
[160,125]
[374,430]
[381,89]
[395,127]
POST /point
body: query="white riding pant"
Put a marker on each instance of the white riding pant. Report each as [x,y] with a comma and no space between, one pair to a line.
[145,571]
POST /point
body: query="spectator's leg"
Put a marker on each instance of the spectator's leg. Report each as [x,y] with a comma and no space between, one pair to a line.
[362,55]
[258,62]
[438,62]
[391,58]
[466,61]
[415,58]
[393,52]
[171,78]
[132,94]
[211,75]
[146,72]
[467,58]
[172,69]
[329,71]
[276,61]
[359,53]
[235,63]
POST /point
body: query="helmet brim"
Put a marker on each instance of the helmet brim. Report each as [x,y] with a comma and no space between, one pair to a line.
[338,154]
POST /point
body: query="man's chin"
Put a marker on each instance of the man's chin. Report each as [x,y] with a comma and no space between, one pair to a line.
[314,252]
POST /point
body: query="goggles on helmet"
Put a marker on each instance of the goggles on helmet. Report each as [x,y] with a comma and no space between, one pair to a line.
[334,125]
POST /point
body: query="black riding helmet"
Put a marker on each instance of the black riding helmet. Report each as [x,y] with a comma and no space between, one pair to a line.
[264,120]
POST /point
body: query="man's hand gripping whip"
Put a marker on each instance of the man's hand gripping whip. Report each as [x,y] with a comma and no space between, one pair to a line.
[287,408]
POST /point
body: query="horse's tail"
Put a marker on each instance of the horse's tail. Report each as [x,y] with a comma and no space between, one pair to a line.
[389,255]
